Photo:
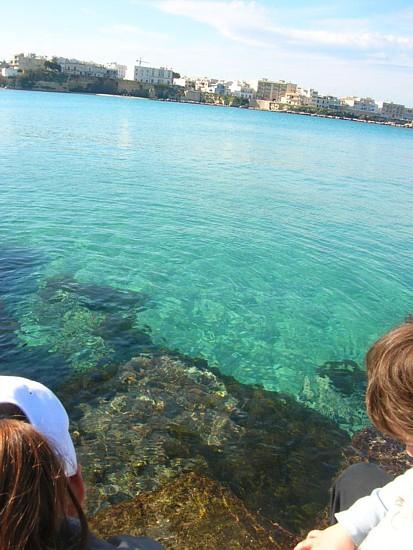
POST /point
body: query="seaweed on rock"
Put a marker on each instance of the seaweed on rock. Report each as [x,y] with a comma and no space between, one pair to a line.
[370,445]
[161,415]
[193,512]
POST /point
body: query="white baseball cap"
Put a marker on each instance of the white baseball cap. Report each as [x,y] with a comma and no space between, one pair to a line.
[45,412]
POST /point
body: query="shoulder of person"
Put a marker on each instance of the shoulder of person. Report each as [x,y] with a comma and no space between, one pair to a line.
[121,542]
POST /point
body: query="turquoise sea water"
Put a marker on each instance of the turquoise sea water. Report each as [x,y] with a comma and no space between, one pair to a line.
[266,243]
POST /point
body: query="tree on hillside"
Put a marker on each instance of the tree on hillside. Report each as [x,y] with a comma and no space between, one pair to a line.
[52,66]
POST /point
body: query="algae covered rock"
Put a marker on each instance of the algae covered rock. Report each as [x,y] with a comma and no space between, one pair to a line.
[193,512]
[142,424]
[370,445]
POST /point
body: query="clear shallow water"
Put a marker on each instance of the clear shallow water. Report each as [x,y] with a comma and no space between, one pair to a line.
[266,243]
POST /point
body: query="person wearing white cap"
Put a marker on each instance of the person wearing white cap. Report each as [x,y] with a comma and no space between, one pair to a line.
[41,485]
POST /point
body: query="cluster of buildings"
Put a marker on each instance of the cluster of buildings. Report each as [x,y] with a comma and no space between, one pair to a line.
[32,62]
[241,89]
[277,95]
[280,95]
[263,94]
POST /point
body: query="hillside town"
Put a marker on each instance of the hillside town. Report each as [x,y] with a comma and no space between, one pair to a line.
[31,71]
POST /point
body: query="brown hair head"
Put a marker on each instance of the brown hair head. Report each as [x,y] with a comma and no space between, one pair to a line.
[34,491]
[389,396]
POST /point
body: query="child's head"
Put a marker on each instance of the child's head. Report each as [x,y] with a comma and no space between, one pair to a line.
[389,395]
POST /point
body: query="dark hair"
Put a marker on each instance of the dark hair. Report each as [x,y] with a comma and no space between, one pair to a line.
[389,396]
[34,492]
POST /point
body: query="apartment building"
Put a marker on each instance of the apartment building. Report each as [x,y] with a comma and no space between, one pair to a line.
[242,90]
[120,69]
[329,102]
[74,67]
[408,114]
[202,84]
[153,75]
[185,81]
[218,88]
[274,90]
[300,97]
[29,62]
[393,111]
[359,104]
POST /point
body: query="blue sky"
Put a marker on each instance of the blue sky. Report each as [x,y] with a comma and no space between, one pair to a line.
[352,47]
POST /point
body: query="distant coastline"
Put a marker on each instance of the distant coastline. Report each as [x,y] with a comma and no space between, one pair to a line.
[133,90]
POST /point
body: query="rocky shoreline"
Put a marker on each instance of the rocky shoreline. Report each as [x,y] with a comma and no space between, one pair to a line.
[196,460]
[159,416]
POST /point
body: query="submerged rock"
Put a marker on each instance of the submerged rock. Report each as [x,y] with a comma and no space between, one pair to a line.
[346,376]
[348,411]
[193,512]
[89,325]
[93,296]
[159,416]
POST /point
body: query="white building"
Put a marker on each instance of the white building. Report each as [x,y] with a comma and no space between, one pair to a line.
[8,72]
[242,90]
[325,102]
[218,88]
[359,104]
[299,98]
[185,82]
[153,75]
[120,69]
[203,84]
[75,67]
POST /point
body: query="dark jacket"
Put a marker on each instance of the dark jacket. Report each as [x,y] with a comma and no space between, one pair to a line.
[70,529]
[124,542]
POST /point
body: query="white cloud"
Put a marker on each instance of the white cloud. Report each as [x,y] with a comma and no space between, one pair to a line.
[234,20]
[250,23]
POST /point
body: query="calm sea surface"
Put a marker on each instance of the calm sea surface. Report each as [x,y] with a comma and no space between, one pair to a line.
[269,244]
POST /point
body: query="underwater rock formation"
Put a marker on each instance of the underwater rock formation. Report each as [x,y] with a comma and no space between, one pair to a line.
[346,376]
[348,411]
[89,325]
[159,416]
[141,423]
[193,512]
